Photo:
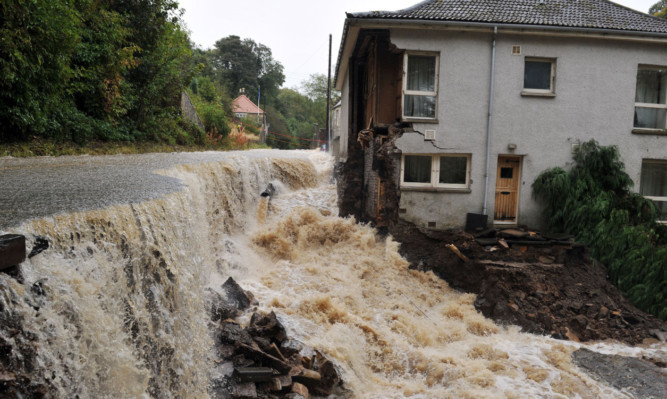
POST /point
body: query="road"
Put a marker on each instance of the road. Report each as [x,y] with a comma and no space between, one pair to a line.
[44,186]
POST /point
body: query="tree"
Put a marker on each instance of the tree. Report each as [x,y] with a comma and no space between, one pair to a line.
[37,40]
[163,64]
[593,200]
[83,69]
[659,9]
[248,65]
[316,89]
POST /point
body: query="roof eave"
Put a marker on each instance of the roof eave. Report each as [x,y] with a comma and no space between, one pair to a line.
[387,22]
[354,25]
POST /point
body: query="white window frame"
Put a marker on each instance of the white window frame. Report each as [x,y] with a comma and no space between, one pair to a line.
[551,91]
[435,172]
[434,93]
[651,197]
[650,105]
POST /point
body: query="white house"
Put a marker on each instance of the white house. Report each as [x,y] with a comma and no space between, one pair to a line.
[488,94]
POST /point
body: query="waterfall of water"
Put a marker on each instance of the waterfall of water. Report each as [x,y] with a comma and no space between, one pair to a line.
[116,307]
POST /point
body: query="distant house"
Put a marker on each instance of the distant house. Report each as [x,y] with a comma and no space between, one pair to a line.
[243,107]
[452,107]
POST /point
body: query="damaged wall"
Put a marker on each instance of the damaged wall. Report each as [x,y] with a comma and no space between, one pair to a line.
[595,83]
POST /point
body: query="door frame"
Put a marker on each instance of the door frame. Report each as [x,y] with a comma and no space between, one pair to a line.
[518,189]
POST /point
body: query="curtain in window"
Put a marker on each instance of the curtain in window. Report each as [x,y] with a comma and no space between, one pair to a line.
[650,118]
[421,73]
[453,170]
[651,89]
[417,169]
[651,86]
[420,77]
[419,106]
[654,183]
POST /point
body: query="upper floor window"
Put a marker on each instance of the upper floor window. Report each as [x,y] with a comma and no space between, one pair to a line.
[653,184]
[436,171]
[650,105]
[420,85]
[538,76]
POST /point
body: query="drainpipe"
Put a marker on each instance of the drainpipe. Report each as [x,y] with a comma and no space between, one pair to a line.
[490,120]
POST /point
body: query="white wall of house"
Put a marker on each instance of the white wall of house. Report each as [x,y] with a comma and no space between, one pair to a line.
[595,82]
[344,115]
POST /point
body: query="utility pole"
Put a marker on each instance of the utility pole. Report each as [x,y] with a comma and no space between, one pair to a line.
[329,100]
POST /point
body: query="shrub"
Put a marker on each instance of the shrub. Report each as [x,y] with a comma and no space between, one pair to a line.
[593,201]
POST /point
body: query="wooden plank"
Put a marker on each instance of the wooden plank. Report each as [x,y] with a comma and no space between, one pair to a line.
[254,374]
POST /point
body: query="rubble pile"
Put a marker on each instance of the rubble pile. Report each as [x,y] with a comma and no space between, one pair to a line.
[547,284]
[260,360]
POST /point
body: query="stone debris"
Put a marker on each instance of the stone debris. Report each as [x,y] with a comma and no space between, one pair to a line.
[545,283]
[236,296]
[266,362]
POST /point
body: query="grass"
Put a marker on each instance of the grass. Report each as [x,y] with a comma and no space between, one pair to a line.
[43,147]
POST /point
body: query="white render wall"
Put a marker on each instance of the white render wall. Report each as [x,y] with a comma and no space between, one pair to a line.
[595,91]
[344,120]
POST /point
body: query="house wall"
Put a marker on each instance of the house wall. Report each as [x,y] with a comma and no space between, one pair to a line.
[595,91]
[344,120]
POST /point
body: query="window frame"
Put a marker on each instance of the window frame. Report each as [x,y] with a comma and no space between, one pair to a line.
[407,92]
[649,105]
[653,197]
[434,183]
[551,91]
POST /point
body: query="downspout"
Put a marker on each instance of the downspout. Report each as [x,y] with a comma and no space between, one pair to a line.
[489,123]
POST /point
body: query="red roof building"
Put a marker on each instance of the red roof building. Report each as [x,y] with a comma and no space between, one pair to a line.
[242,107]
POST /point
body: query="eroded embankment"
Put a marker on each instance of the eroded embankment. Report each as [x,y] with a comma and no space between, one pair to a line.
[114,308]
[554,290]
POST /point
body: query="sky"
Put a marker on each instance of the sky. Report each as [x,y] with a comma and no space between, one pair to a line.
[296,31]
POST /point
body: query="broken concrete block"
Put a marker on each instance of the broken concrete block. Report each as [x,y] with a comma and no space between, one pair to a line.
[12,250]
[254,374]
[237,296]
[291,346]
[301,390]
[267,326]
[246,390]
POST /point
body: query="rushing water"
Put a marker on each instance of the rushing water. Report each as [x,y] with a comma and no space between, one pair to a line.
[123,314]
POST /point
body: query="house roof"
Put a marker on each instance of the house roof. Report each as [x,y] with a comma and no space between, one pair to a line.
[583,16]
[242,104]
[597,14]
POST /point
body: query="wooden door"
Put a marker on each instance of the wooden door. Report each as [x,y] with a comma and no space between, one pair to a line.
[507,189]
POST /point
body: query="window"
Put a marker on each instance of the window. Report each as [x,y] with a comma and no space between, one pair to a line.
[420,85]
[436,171]
[650,105]
[653,184]
[538,76]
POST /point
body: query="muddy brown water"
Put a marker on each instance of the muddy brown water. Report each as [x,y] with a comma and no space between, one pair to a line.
[120,310]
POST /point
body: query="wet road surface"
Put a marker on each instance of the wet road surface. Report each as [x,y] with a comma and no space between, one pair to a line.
[44,186]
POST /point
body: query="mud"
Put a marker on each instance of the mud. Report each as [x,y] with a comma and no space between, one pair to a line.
[554,290]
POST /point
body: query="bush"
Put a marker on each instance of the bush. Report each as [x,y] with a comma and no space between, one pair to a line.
[214,119]
[593,201]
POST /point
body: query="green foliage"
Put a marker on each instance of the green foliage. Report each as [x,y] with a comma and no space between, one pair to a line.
[593,201]
[246,64]
[37,39]
[91,69]
[659,9]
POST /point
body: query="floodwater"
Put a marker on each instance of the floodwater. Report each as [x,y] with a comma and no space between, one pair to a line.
[124,310]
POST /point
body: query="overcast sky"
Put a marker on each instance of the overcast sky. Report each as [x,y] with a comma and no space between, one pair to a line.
[296,31]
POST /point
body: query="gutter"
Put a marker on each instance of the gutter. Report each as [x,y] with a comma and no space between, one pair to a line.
[489,122]
[519,28]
